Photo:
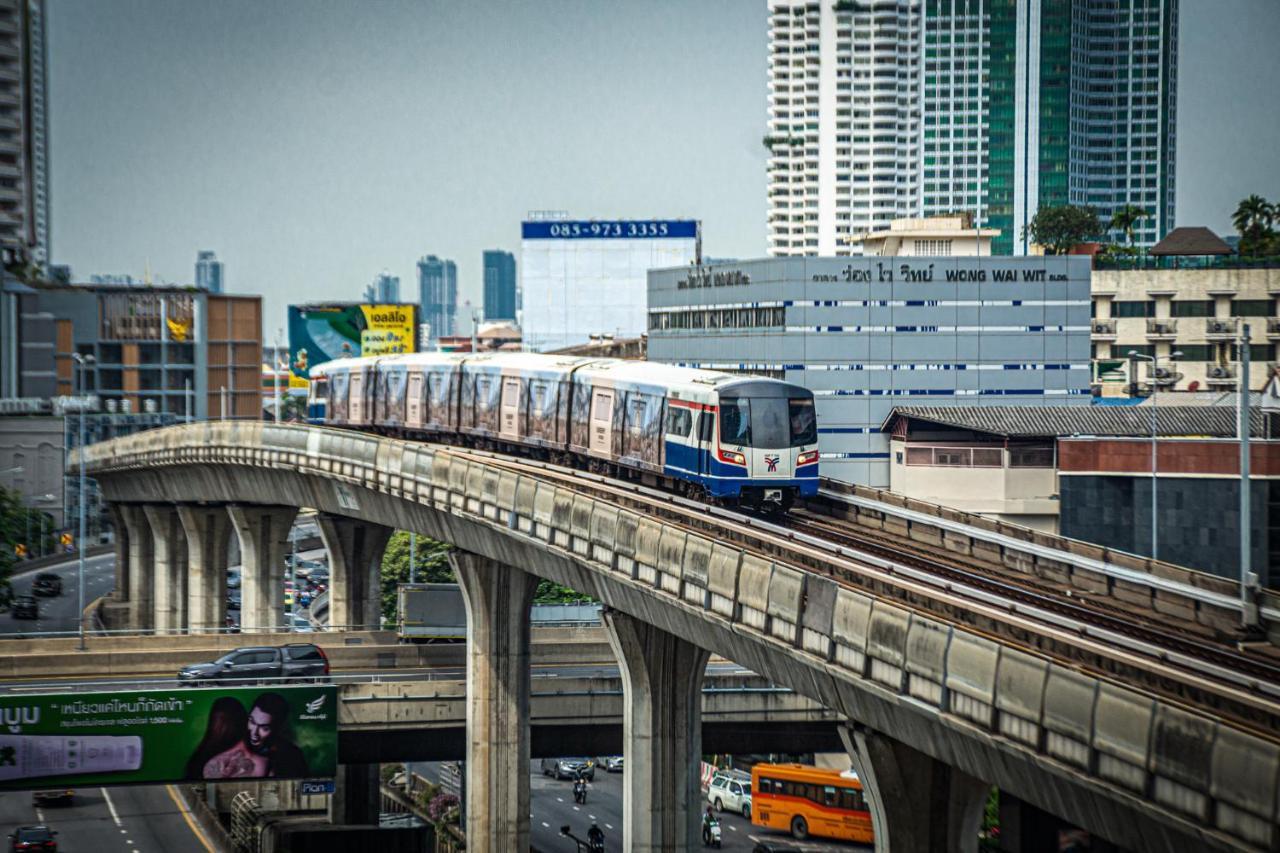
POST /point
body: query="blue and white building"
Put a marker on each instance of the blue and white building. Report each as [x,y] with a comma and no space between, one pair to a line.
[580,278]
[868,334]
[208,271]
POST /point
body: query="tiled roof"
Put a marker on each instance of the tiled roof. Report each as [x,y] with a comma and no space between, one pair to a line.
[1064,421]
[1191,241]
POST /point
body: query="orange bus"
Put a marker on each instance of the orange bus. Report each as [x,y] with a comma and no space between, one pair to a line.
[808,801]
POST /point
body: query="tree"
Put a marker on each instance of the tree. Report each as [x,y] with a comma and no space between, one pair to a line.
[1255,219]
[432,564]
[1126,218]
[1060,228]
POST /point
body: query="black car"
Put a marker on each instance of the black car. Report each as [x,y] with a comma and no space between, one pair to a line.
[36,837]
[53,797]
[47,583]
[25,607]
[292,662]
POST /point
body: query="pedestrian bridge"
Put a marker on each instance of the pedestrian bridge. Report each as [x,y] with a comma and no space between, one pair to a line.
[945,693]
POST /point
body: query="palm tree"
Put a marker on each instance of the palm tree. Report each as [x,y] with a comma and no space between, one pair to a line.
[1126,218]
[1253,219]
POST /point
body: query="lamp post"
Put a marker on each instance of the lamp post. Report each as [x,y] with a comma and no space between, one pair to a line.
[82,362]
[275,371]
[1155,465]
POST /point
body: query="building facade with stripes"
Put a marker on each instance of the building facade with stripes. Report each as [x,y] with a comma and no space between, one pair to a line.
[868,334]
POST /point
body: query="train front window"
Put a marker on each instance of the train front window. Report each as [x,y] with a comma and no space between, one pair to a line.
[735,421]
[804,422]
[770,426]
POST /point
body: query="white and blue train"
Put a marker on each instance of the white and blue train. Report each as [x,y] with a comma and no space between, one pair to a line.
[736,439]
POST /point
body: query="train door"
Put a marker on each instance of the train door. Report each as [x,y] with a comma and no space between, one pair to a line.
[414,407]
[706,440]
[356,414]
[509,425]
[602,421]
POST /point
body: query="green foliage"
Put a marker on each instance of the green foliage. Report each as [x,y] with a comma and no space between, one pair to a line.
[1060,228]
[1255,220]
[989,835]
[21,524]
[1126,219]
[553,593]
[432,567]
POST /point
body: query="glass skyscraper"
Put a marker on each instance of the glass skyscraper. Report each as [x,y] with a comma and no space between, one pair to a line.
[499,285]
[438,295]
[384,290]
[904,108]
[208,272]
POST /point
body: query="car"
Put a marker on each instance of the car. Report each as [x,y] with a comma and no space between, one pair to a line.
[233,580]
[569,768]
[53,797]
[233,599]
[291,662]
[47,583]
[731,792]
[25,607]
[300,624]
[612,763]
[33,837]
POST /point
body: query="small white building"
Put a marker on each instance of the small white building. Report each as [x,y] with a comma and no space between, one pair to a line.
[934,236]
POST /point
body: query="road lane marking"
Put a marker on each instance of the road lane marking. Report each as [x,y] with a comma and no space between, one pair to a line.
[112,806]
[559,799]
[609,826]
[591,816]
[575,808]
[195,828]
[546,825]
[39,815]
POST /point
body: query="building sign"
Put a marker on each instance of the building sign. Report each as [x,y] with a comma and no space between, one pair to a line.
[155,736]
[320,333]
[610,229]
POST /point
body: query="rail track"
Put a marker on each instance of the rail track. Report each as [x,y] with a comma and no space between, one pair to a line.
[1086,634]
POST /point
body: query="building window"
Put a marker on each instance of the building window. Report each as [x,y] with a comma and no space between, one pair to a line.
[1251,308]
[1030,457]
[1133,309]
[1192,308]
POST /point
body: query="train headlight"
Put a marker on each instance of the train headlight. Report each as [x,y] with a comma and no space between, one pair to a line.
[733,458]
[807,458]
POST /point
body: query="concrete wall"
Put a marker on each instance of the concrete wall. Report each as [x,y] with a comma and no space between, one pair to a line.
[35,445]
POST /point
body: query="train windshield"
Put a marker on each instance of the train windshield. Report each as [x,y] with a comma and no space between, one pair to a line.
[768,422]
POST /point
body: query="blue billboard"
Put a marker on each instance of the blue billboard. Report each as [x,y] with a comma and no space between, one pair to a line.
[609,229]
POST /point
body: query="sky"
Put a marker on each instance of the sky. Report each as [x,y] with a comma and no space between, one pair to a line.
[316,143]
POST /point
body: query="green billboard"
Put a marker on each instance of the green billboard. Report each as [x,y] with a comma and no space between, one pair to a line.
[151,736]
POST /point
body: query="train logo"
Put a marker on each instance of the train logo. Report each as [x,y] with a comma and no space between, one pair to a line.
[771,463]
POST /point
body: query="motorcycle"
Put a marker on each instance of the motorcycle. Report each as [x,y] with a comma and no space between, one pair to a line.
[711,834]
[580,792]
[596,845]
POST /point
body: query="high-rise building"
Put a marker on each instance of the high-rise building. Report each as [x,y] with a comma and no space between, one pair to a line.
[208,272]
[996,108]
[499,285]
[438,295]
[384,290]
[24,153]
[580,278]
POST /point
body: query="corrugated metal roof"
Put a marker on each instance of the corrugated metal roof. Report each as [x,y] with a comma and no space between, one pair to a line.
[1063,421]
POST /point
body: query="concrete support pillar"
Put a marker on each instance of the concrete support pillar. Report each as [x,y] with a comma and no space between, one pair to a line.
[120,542]
[661,734]
[208,530]
[141,571]
[263,532]
[918,804]
[355,561]
[170,544]
[357,796]
[1025,828]
[497,599]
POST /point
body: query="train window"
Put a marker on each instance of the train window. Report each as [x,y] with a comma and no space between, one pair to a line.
[679,421]
[511,393]
[735,421]
[603,405]
[769,425]
[706,427]
[804,422]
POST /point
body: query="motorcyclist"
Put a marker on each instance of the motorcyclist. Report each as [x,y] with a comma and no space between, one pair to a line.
[580,788]
[708,818]
[595,838]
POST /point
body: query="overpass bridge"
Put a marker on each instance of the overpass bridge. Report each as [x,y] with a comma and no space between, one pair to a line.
[1126,707]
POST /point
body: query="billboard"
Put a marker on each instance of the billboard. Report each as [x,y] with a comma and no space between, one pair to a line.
[320,333]
[152,736]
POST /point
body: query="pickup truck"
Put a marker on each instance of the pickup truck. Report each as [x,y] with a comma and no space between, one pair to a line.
[295,662]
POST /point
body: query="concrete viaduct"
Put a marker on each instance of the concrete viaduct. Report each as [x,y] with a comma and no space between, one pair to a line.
[936,710]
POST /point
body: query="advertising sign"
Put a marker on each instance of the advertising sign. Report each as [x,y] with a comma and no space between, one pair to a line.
[152,736]
[320,333]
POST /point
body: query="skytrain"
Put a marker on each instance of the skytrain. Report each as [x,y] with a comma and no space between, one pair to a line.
[738,440]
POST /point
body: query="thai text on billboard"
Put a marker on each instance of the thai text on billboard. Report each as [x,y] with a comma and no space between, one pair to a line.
[320,333]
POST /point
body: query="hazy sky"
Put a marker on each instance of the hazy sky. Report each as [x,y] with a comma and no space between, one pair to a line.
[314,143]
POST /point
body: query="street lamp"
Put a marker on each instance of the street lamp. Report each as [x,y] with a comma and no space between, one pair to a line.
[82,362]
[1155,466]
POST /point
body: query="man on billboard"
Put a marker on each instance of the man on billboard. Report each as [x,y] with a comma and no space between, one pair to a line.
[256,745]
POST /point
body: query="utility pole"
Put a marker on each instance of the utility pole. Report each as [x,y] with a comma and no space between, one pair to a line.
[275,372]
[413,557]
[1248,580]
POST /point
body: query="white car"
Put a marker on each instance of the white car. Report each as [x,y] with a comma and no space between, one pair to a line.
[732,793]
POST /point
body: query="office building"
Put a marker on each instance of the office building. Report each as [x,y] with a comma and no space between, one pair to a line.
[868,334]
[208,272]
[499,285]
[24,130]
[384,290]
[880,111]
[580,278]
[438,295]
[932,236]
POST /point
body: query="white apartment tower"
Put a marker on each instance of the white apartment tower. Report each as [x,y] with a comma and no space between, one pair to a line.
[886,109]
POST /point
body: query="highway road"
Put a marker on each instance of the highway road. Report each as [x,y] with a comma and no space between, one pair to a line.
[61,613]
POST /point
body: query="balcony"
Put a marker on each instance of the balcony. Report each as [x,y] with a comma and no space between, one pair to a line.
[1220,374]
[1221,329]
[1104,330]
[1162,328]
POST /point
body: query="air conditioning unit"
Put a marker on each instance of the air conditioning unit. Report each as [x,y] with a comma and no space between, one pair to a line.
[1217,373]
[1218,327]
[1100,328]
[1163,373]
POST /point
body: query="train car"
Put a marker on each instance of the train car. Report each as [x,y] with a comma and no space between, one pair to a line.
[737,439]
